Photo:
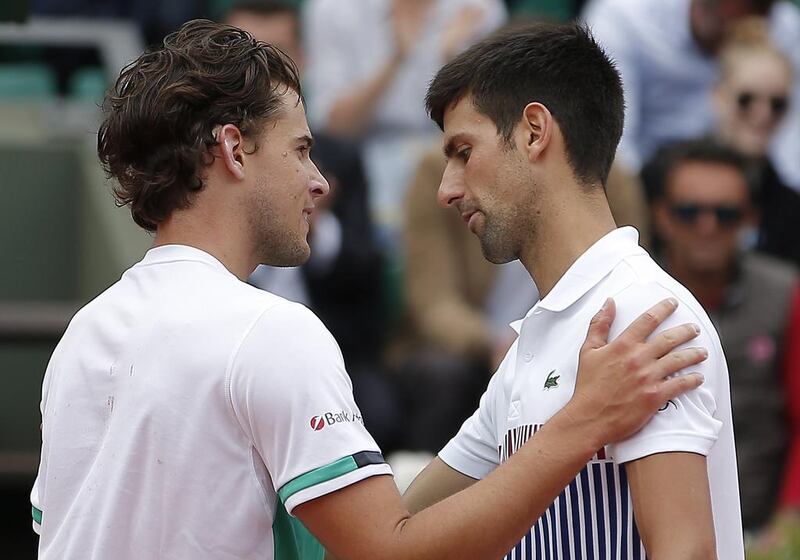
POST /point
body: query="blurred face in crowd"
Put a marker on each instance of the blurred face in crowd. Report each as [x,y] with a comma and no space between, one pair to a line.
[752,99]
[710,19]
[281,29]
[488,182]
[705,207]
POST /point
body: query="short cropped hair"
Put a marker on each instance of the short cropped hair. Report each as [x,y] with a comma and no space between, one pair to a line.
[558,65]
[658,173]
[160,115]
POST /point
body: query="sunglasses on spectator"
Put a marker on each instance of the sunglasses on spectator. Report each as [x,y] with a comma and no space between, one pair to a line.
[777,103]
[726,216]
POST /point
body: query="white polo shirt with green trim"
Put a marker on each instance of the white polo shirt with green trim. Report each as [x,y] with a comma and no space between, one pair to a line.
[186,414]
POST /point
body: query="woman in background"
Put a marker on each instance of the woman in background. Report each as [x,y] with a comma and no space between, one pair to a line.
[751,100]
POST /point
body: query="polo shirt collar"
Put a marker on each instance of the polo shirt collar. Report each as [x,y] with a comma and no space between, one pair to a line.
[591,267]
[176,253]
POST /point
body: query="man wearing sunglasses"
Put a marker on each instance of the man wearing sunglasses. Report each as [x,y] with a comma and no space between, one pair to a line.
[702,212]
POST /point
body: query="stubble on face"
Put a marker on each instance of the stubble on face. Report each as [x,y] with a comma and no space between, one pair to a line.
[275,244]
[509,211]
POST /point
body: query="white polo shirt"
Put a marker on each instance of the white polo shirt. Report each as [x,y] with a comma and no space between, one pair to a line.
[185,413]
[593,516]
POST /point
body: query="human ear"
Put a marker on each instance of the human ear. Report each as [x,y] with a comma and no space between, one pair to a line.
[229,140]
[537,127]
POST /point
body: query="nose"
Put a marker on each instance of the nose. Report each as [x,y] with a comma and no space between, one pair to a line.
[707,223]
[318,186]
[450,189]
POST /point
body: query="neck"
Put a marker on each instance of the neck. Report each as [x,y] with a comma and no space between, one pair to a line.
[564,234]
[195,229]
[708,287]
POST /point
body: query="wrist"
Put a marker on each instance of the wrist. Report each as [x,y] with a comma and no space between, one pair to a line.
[579,428]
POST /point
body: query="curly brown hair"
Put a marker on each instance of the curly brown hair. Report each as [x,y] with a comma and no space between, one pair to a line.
[160,115]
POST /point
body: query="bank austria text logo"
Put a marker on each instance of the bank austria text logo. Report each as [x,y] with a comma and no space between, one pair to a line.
[330,418]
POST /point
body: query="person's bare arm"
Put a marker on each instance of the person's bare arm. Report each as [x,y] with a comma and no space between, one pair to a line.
[436,482]
[352,113]
[672,505]
[620,386]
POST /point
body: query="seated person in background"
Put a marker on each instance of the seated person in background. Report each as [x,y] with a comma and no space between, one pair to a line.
[451,345]
[703,205]
[751,101]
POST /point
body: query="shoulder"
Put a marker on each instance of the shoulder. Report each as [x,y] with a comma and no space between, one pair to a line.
[769,272]
[621,13]
[339,10]
[284,323]
[785,17]
[647,285]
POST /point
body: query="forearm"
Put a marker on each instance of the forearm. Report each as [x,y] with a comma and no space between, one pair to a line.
[352,112]
[457,527]
[456,327]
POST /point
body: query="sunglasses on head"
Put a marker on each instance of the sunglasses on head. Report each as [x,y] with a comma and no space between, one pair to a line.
[690,213]
[777,103]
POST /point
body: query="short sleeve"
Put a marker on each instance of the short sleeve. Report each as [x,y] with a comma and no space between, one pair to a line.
[293,399]
[474,449]
[689,422]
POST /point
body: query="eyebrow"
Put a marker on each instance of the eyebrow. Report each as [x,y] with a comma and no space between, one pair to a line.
[450,147]
[307,138]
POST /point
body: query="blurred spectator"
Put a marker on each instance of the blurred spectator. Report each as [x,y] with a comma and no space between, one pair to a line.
[751,100]
[555,10]
[665,52]
[451,344]
[341,283]
[702,207]
[156,18]
[273,21]
[369,64]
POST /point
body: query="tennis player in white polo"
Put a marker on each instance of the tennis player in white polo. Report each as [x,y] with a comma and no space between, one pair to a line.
[532,118]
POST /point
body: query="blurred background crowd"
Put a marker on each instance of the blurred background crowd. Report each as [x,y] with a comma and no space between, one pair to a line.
[708,171]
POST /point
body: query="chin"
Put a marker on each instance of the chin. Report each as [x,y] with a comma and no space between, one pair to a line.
[288,256]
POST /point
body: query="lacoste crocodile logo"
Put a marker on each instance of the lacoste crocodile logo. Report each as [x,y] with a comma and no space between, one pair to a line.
[551,381]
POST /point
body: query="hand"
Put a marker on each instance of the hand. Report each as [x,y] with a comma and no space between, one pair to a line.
[622,384]
[460,31]
[408,20]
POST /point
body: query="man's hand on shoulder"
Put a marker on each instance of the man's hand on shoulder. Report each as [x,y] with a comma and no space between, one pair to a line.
[621,384]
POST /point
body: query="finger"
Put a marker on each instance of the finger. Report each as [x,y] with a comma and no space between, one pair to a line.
[647,322]
[676,386]
[678,360]
[669,339]
[599,326]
